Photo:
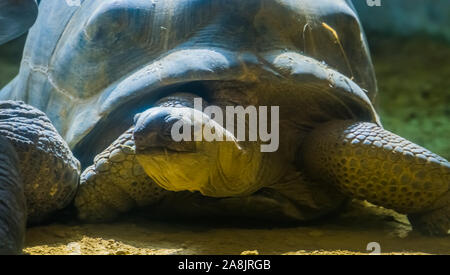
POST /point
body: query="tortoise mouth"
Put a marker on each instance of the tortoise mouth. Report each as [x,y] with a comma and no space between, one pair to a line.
[161,150]
[285,75]
[172,147]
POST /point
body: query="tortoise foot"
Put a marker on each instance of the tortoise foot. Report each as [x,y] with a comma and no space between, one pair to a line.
[435,222]
[115,184]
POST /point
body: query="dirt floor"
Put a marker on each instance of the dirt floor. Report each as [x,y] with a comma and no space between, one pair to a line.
[413,77]
[348,233]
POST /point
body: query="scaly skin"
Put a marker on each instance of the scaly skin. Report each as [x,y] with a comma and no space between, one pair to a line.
[367,162]
[115,183]
[49,170]
[12,201]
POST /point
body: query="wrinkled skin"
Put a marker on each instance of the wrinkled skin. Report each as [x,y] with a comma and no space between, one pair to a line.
[47,167]
[104,62]
[38,173]
[12,201]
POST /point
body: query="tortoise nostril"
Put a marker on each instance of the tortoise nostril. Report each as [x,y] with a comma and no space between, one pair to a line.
[145,140]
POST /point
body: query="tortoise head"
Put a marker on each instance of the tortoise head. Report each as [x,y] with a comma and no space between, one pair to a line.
[170,140]
[102,62]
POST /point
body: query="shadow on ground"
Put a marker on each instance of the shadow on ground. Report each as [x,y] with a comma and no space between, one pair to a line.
[348,233]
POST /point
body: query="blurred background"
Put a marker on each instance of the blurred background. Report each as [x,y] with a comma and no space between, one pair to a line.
[410,46]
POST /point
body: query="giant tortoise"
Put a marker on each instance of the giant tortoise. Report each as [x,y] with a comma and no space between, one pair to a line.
[115,77]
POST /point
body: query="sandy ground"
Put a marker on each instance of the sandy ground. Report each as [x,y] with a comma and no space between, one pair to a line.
[347,233]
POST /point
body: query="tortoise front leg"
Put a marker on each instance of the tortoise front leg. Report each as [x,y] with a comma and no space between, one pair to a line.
[367,162]
[13,214]
[115,183]
[44,174]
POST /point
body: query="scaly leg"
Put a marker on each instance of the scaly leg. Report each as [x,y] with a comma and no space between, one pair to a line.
[367,162]
[115,183]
